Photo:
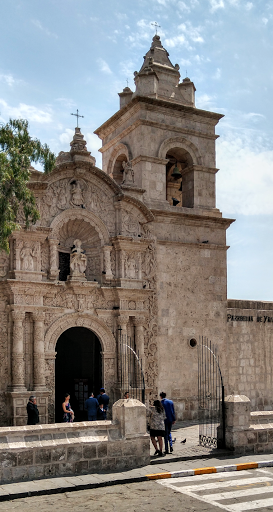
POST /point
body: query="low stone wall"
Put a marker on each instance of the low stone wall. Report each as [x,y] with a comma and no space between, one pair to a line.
[59,449]
[247,432]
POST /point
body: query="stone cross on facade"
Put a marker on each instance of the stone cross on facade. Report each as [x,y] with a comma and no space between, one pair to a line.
[77,116]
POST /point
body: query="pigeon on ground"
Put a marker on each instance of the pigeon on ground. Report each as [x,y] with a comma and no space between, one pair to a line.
[184,440]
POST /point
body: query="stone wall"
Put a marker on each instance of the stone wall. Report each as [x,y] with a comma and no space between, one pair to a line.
[247,432]
[191,284]
[42,451]
[250,352]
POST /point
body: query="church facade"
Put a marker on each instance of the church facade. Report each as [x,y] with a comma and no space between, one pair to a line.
[138,247]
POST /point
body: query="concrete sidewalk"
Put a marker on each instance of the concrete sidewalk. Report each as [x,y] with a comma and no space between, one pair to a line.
[187,461]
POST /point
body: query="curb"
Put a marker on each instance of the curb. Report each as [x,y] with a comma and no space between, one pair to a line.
[208,470]
[185,458]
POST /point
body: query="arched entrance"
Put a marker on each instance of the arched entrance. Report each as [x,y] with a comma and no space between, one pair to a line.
[78,369]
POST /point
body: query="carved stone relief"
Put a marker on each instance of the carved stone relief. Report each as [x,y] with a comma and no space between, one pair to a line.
[130,224]
[77,193]
[4,264]
[30,256]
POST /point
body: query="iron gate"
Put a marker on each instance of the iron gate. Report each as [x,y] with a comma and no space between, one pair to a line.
[130,370]
[210,396]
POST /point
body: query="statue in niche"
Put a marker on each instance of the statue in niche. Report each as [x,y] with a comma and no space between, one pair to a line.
[27,254]
[78,260]
[62,195]
[76,194]
[128,173]
[130,267]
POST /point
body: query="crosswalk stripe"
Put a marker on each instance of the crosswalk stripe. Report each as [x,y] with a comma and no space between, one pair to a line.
[241,493]
[231,483]
[251,505]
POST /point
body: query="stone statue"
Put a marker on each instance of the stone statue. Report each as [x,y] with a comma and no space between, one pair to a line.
[128,173]
[130,267]
[26,256]
[78,261]
[76,194]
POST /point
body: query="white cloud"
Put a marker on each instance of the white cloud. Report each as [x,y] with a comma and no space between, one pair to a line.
[217,74]
[245,179]
[188,33]
[9,80]
[24,111]
[216,4]
[66,137]
[249,6]
[39,25]
[104,67]
[183,7]
[265,21]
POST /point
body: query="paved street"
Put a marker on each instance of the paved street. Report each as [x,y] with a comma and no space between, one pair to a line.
[234,492]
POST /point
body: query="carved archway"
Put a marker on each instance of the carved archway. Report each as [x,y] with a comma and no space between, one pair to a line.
[180,142]
[76,213]
[91,322]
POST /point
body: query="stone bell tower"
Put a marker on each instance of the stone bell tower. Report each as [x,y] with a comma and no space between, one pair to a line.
[159,129]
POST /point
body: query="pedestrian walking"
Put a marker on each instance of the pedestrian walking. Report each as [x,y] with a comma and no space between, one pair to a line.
[91,405]
[169,421]
[101,412]
[32,411]
[103,399]
[157,427]
[68,415]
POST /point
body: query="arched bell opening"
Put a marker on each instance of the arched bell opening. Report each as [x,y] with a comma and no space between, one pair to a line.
[178,160]
[78,370]
[118,169]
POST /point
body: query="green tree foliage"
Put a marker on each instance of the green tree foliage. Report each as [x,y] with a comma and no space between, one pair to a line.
[17,151]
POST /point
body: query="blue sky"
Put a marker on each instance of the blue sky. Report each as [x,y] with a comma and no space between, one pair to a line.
[56,57]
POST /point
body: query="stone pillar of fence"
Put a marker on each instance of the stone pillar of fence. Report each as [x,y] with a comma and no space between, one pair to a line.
[131,415]
[237,416]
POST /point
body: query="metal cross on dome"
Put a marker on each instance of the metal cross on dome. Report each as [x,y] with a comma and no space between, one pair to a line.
[155,24]
[77,116]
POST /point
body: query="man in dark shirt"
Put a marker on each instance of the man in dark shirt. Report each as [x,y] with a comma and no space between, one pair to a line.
[32,411]
[103,399]
[91,405]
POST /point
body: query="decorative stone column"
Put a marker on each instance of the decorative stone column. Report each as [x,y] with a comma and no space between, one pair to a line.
[139,322]
[122,340]
[54,270]
[107,261]
[123,322]
[18,362]
[38,350]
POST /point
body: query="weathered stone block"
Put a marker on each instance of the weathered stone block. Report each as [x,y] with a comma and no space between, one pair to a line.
[108,464]
[81,467]
[262,437]
[94,466]
[20,474]
[42,456]
[8,459]
[25,458]
[102,450]
[74,453]
[65,468]
[89,451]
[114,449]
[59,454]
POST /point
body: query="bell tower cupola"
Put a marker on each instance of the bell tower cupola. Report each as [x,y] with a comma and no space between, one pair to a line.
[167,142]
[158,78]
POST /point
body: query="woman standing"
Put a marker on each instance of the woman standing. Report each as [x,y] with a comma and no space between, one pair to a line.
[157,426]
[68,413]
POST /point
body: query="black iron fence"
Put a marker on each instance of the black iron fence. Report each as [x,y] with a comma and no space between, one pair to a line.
[131,376]
[211,395]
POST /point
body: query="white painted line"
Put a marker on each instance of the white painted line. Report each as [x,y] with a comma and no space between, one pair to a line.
[231,483]
[254,491]
[265,463]
[251,505]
